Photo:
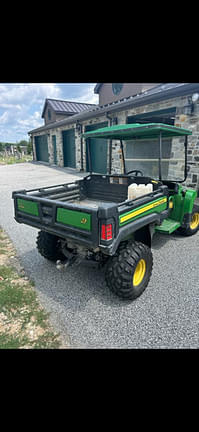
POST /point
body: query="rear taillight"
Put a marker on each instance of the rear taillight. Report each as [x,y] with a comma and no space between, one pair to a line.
[106,232]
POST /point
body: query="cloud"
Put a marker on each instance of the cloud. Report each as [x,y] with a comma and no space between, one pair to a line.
[84,93]
[22,94]
[20,108]
[88,97]
[4,117]
[21,105]
[33,120]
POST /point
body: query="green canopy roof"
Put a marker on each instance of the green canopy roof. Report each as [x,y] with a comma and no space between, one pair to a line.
[137,131]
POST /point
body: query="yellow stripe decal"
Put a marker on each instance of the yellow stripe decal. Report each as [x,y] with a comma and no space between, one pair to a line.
[142,210]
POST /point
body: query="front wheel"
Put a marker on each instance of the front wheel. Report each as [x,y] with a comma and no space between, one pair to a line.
[129,271]
[193,226]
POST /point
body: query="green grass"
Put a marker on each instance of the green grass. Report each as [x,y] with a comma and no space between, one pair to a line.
[14,296]
[7,272]
[23,322]
[9,160]
[12,342]
[2,251]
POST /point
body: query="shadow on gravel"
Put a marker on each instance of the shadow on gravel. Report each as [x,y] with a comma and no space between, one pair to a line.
[160,240]
[73,287]
[67,170]
[79,287]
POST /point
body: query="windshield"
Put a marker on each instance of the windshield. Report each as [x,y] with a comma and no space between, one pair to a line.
[144,155]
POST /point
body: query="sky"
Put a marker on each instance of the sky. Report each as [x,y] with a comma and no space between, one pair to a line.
[21,105]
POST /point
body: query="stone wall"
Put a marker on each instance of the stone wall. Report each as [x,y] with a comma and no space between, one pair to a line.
[183,120]
[190,122]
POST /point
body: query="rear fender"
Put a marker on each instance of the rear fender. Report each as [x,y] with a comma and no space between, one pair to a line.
[144,235]
[183,203]
[189,199]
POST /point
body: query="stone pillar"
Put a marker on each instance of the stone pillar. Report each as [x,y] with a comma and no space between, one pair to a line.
[50,147]
[117,163]
[78,150]
[34,155]
[59,143]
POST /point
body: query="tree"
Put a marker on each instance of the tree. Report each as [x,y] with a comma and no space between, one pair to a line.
[23,143]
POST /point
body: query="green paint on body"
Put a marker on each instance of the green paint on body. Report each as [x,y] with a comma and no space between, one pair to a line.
[29,207]
[183,203]
[190,197]
[177,213]
[168,226]
[156,206]
[74,218]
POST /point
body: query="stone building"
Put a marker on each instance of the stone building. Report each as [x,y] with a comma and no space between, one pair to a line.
[60,142]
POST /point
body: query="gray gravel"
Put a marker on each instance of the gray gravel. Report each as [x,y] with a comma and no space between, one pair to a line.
[82,308]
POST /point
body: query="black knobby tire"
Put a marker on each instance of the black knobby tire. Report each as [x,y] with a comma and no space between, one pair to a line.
[192,228]
[48,246]
[121,270]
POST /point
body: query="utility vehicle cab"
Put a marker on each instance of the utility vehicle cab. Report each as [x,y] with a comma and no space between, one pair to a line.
[153,154]
[153,150]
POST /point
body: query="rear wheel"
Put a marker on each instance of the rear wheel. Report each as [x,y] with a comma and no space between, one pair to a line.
[49,246]
[129,271]
[193,226]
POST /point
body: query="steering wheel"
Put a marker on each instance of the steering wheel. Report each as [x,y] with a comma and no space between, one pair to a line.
[136,172]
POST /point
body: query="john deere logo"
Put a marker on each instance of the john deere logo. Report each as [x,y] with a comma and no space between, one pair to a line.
[83,221]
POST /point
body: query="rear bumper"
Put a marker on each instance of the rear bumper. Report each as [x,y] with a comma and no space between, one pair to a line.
[59,231]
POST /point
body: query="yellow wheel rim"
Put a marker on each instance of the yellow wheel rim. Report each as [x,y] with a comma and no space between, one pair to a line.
[194,221]
[139,272]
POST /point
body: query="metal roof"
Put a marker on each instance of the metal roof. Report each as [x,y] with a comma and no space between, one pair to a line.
[156,94]
[66,107]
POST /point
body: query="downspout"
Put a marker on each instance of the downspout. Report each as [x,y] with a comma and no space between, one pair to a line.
[110,145]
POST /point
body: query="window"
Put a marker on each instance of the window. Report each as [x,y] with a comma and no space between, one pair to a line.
[49,114]
[144,155]
[117,88]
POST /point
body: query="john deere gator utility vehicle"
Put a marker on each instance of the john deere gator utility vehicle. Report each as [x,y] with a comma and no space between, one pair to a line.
[111,219]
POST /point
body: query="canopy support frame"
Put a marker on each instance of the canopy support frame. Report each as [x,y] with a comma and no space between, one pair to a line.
[123,159]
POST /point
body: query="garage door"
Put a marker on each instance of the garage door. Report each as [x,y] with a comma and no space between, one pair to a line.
[69,148]
[41,145]
[98,150]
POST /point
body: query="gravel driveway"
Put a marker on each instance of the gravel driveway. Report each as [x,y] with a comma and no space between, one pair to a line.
[82,309]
